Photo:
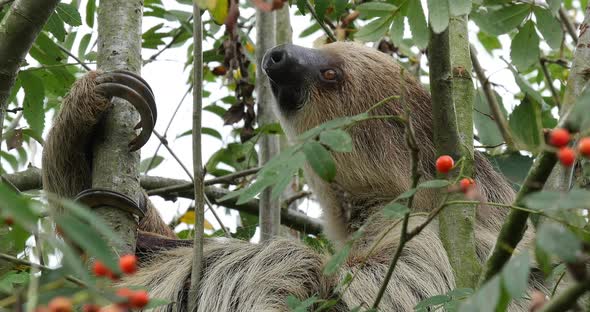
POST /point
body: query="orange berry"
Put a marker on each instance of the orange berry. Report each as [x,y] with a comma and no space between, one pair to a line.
[89,307]
[128,264]
[584,146]
[444,164]
[113,276]
[466,184]
[566,156]
[140,299]
[100,269]
[125,294]
[60,304]
[559,137]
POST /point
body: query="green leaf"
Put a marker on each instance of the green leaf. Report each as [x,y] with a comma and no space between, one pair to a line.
[56,27]
[395,210]
[527,88]
[338,259]
[11,278]
[439,15]
[337,140]
[297,305]
[153,161]
[17,207]
[69,14]
[434,184]
[550,27]
[320,8]
[33,103]
[498,22]
[320,160]
[556,239]
[485,299]
[301,6]
[525,123]
[407,194]
[548,200]
[515,275]
[487,128]
[374,30]
[514,166]
[90,10]
[554,5]
[84,46]
[489,42]
[459,7]
[86,236]
[417,22]
[524,50]
[310,30]
[373,9]
[431,302]
[396,32]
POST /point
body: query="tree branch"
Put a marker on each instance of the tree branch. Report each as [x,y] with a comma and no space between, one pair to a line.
[567,298]
[569,27]
[452,106]
[327,30]
[198,175]
[30,179]
[18,30]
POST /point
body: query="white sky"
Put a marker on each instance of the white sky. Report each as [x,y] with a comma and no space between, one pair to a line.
[167,78]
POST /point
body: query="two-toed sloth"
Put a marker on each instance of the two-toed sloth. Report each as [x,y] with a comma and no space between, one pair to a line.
[311,86]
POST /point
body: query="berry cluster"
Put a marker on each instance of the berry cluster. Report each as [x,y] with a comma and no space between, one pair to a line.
[129,299]
[445,163]
[560,138]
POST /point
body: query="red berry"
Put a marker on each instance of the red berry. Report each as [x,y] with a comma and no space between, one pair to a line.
[128,264]
[100,269]
[566,156]
[584,146]
[559,137]
[8,221]
[466,184]
[90,308]
[113,276]
[140,299]
[60,304]
[444,164]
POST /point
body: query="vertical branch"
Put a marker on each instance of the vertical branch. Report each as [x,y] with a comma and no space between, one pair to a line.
[114,167]
[18,30]
[270,217]
[198,174]
[452,106]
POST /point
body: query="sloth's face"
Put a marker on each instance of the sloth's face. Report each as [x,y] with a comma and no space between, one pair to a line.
[295,71]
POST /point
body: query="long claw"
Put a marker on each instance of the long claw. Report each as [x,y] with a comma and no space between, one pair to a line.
[135,82]
[111,89]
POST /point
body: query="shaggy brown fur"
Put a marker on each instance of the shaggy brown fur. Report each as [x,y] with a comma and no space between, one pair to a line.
[239,276]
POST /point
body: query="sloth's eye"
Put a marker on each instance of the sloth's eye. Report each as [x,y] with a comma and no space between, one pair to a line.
[329,75]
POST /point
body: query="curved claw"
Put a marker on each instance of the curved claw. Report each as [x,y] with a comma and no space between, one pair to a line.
[135,82]
[111,89]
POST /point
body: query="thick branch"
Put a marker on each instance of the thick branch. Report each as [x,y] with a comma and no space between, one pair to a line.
[198,174]
[452,106]
[270,213]
[30,179]
[18,30]
[568,298]
[114,167]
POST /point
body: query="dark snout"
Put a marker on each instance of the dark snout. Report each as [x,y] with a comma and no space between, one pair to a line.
[292,71]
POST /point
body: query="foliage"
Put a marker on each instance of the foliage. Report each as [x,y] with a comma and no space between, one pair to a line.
[530,32]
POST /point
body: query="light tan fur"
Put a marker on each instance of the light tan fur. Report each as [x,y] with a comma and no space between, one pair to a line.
[239,276]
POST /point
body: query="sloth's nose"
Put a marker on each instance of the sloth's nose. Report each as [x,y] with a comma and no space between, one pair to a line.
[280,64]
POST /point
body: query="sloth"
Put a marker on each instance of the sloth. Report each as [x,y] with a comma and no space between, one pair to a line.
[311,86]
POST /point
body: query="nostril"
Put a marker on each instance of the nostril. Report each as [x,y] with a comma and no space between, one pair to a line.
[277,56]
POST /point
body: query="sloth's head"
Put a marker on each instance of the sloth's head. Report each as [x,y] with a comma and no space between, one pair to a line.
[312,86]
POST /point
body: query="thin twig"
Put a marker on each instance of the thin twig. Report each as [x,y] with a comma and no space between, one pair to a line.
[567,298]
[232,177]
[165,143]
[170,44]
[327,30]
[198,242]
[225,232]
[14,110]
[569,27]
[167,128]
[492,101]
[294,198]
[79,61]
[549,82]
